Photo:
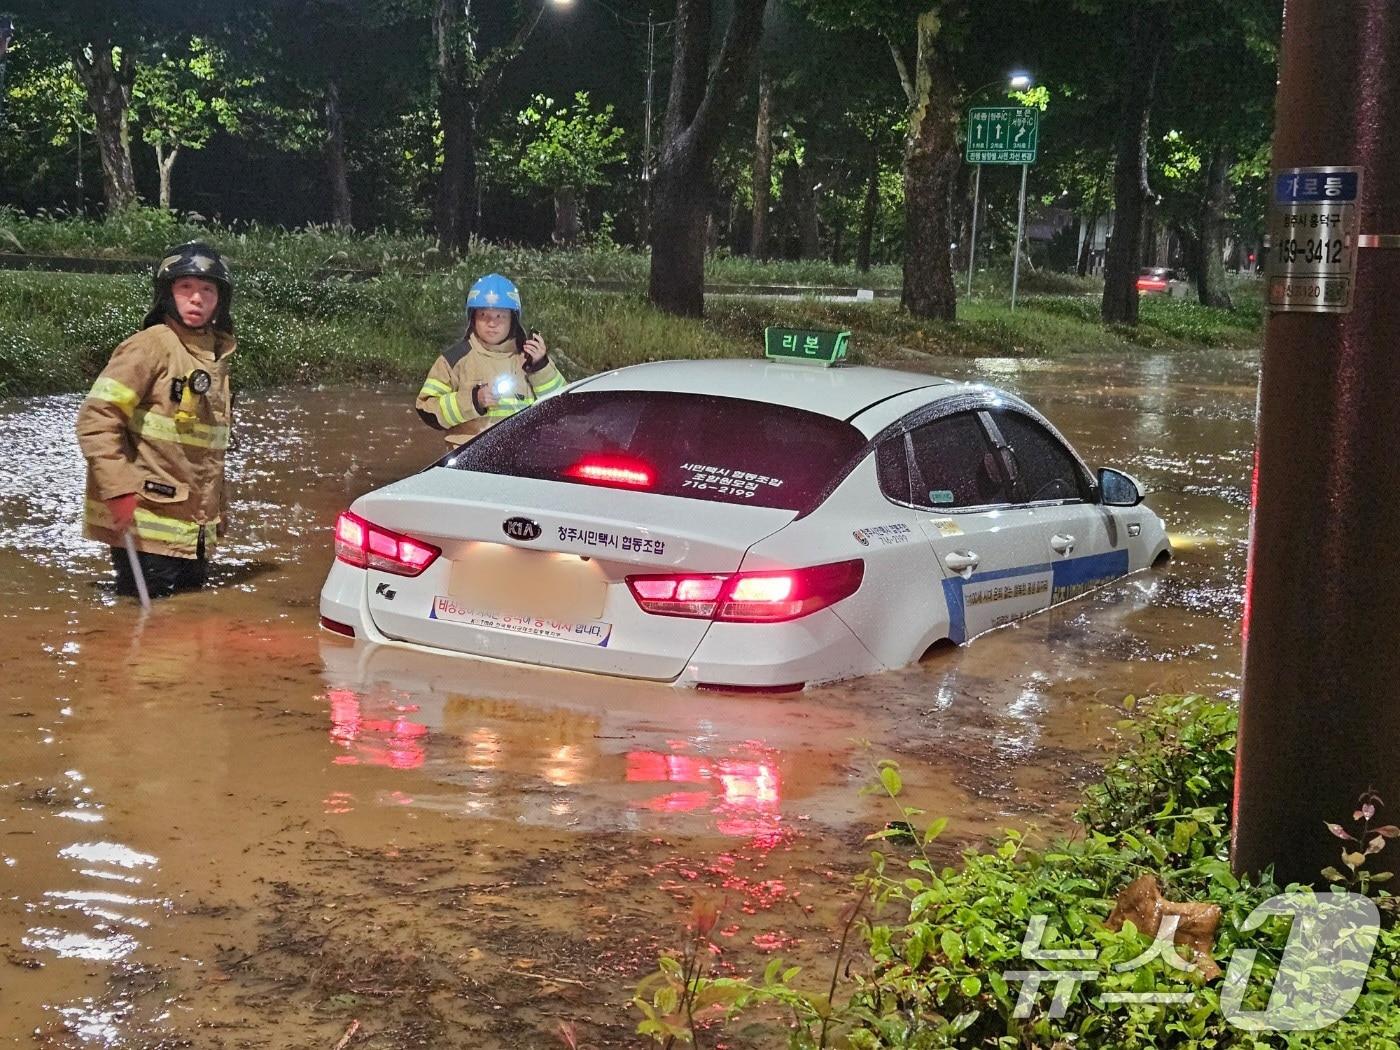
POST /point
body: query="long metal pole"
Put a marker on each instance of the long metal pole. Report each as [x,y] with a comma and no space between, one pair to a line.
[4,47]
[651,73]
[1319,714]
[134,559]
[1020,227]
[972,244]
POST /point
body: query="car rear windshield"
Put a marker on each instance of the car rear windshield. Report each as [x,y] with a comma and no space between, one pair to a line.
[718,449]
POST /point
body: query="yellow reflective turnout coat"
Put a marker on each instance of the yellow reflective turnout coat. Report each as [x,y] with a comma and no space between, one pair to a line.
[445,401]
[143,429]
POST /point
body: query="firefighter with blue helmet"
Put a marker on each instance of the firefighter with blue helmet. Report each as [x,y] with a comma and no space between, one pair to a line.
[496,369]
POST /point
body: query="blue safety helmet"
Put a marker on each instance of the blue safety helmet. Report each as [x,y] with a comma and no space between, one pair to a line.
[494,292]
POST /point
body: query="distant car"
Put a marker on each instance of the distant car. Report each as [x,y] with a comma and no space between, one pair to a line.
[1155,280]
[737,524]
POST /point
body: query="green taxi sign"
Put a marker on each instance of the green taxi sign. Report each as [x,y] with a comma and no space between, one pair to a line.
[796,344]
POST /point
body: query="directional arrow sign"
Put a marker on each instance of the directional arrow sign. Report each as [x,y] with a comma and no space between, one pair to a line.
[1002,135]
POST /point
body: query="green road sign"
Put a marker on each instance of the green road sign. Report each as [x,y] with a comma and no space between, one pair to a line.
[792,344]
[1002,135]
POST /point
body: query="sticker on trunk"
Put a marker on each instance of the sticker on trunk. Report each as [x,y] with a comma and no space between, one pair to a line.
[585,632]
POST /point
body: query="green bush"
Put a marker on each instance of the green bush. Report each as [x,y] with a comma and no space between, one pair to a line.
[938,943]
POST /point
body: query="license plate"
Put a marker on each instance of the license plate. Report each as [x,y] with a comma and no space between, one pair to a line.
[495,578]
[586,632]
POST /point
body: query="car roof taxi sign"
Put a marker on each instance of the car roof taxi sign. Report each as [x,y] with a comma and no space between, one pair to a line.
[813,347]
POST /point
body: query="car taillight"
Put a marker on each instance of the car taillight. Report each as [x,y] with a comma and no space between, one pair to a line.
[612,470]
[678,595]
[748,597]
[367,546]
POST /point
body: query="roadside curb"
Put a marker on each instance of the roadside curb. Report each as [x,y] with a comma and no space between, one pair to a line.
[129,265]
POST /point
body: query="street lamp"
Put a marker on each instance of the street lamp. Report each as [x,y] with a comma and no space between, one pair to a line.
[651,27]
[7,33]
[1016,80]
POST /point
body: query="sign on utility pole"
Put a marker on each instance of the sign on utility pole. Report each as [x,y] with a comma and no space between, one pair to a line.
[1001,135]
[1320,702]
[1311,260]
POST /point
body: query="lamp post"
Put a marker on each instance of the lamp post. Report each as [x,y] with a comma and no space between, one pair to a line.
[1016,81]
[7,33]
[651,26]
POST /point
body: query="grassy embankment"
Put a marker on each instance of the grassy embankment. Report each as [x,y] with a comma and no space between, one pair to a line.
[297,324]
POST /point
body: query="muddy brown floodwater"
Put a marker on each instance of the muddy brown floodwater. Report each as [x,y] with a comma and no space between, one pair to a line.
[221,827]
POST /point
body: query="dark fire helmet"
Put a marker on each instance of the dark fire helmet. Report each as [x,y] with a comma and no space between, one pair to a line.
[195,259]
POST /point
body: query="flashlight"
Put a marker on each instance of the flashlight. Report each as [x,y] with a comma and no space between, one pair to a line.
[503,386]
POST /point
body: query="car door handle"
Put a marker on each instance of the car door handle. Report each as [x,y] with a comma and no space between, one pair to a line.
[962,562]
[1062,544]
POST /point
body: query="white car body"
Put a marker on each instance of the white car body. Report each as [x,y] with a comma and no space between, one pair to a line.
[936,563]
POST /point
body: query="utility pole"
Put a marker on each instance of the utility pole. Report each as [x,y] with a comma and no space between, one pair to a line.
[7,33]
[1320,710]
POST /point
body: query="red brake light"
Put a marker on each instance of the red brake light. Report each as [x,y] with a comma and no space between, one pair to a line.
[613,470]
[749,597]
[367,546]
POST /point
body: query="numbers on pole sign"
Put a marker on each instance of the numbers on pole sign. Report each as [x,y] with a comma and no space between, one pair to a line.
[1326,252]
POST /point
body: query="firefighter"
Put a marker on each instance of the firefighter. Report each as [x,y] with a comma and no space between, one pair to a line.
[493,372]
[155,426]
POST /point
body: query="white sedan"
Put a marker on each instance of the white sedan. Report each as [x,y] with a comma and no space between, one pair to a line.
[737,524]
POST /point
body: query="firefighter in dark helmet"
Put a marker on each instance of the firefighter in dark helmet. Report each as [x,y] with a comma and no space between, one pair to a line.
[155,427]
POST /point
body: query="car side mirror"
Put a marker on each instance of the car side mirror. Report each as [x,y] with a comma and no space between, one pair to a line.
[1117,489]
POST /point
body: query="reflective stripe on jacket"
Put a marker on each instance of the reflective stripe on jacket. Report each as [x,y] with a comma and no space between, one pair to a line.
[445,400]
[143,430]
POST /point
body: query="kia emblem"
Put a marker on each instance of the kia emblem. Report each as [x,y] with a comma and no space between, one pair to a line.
[521,529]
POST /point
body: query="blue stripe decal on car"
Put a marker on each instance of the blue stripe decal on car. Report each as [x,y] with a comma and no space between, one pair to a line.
[1068,579]
[957,611]
[1075,576]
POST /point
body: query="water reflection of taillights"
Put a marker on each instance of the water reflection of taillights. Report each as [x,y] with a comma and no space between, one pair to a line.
[749,796]
[396,743]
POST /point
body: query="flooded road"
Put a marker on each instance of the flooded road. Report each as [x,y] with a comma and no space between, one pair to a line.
[222,827]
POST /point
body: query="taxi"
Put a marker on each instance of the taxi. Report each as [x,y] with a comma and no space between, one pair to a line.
[739,525]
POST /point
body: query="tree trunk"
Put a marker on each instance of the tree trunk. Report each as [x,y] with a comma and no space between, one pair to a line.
[1086,250]
[337,170]
[678,231]
[809,244]
[762,166]
[454,215]
[1150,250]
[566,221]
[165,164]
[456,212]
[700,105]
[869,209]
[1210,274]
[108,88]
[930,164]
[1148,31]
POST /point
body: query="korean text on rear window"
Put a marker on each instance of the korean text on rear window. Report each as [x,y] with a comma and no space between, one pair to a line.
[717,449]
